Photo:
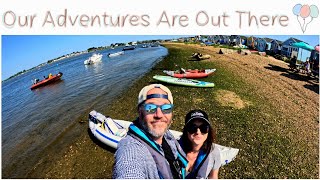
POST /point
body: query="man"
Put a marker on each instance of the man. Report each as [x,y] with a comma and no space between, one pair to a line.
[150,151]
[293,63]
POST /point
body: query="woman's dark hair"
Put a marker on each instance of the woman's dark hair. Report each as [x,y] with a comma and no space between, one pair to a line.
[207,144]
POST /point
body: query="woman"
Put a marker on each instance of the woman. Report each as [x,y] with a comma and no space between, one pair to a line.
[197,142]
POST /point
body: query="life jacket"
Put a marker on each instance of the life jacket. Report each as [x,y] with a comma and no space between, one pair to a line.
[162,164]
[200,168]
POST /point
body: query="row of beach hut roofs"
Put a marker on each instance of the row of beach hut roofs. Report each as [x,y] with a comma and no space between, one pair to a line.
[270,46]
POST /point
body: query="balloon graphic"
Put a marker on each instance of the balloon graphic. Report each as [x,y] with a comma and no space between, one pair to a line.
[314,12]
[305,14]
[305,11]
[296,9]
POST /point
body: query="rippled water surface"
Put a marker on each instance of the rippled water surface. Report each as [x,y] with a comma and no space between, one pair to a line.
[31,120]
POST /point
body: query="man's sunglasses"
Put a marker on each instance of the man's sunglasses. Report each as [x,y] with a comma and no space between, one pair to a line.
[152,108]
[204,128]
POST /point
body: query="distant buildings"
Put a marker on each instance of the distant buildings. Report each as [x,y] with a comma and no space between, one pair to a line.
[267,45]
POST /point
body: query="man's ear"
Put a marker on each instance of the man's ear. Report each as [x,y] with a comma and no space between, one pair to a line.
[140,111]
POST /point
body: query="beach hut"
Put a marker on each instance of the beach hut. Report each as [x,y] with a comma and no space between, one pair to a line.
[263,44]
[224,39]
[216,39]
[236,40]
[204,39]
[197,38]
[275,46]
[251,42]
[288,50]
[243,40]
[210,38]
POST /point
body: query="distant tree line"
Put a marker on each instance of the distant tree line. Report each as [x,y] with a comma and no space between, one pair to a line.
[89,50]
[21,72]
[96,48]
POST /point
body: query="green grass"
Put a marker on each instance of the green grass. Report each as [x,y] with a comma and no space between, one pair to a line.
[265,152]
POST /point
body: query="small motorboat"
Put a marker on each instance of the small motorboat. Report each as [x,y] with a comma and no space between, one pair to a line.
[47,81]
[128,48]
[110,131]
[194,74]
[116,54]
[144,46]
[93,59]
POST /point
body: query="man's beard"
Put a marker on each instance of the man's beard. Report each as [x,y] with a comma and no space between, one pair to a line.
[152,132]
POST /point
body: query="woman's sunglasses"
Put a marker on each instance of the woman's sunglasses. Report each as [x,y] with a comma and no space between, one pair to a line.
[152,108]
[204,128]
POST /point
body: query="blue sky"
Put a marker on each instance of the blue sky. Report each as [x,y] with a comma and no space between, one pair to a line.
[21,52]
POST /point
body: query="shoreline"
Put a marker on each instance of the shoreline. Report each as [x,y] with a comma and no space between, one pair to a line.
[258,129]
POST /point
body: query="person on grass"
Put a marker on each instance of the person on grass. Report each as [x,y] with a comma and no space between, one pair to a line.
[197,141]
[150,151]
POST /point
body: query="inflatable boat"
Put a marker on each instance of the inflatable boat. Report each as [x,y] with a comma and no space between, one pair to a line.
[47,81]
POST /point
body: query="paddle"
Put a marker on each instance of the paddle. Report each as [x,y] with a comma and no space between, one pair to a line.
[181,69]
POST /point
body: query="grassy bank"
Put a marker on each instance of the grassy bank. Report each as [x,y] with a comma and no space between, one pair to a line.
[242,115]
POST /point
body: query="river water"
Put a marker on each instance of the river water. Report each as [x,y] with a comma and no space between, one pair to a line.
[33,119]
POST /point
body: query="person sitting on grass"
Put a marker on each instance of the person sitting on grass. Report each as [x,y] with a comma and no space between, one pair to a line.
[197,142]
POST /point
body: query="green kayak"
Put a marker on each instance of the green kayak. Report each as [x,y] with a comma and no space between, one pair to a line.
[183,82]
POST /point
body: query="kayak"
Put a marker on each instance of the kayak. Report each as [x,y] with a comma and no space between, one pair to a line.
[110,131]
[183,82]
[47,81]
[191,73]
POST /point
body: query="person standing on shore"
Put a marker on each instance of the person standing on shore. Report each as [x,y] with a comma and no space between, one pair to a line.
[293,63]
[150,151]
[197,142]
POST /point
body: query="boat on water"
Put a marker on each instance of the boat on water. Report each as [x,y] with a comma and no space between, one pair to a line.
[96,57]
[46,81]
[144,46]
[116,54]
[190,73]
[128,48]
[110,131]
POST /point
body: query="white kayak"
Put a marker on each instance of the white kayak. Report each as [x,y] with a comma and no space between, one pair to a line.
[111,131]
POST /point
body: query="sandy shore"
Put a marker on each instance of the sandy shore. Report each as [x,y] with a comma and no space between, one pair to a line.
[293,95]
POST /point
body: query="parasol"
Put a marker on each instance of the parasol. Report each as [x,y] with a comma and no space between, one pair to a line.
[303,45]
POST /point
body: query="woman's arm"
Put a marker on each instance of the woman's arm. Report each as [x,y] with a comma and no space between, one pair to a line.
[213,174]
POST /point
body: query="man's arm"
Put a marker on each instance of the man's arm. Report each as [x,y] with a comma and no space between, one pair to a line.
[129,162]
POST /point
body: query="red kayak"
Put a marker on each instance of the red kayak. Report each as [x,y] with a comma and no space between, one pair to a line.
[47,81]
[190,73]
